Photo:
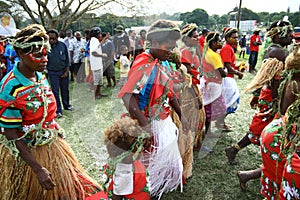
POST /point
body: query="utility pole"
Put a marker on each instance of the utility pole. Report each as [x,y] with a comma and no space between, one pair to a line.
[239,15]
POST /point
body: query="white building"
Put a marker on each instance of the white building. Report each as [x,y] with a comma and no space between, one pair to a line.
[245,25]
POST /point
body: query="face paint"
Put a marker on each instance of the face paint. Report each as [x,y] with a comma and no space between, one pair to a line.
[39,57]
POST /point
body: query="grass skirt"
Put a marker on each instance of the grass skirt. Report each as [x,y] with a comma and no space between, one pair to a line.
[164,162]
[18,181]
[185,144]
[200,122]
[196,118]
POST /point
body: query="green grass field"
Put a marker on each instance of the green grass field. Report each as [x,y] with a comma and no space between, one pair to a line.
[213,178]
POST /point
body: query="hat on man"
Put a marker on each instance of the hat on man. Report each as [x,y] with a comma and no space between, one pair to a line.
[119,28]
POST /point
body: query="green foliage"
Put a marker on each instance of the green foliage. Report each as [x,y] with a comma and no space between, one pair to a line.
[4,7]
[247,14]
[223,19]
[197,16]
[295,19]
[108,21]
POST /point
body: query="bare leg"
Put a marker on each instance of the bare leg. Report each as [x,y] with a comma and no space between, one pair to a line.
[97,92]
[233,150]
[245,176]
[114,80]
[108,81]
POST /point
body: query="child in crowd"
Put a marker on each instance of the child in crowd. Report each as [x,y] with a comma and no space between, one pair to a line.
[127,177]
[124,65]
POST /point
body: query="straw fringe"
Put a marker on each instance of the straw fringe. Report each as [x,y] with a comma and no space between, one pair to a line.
[18,181]
[269,68]
[202,118]
[185,143]
[194,116]
[293,59]
[194,136]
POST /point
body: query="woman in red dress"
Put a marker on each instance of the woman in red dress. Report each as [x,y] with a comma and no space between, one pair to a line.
[149,97]
[281,34]
[290,185]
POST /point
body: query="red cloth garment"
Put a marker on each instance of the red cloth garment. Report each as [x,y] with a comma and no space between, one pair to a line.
[254,38]
[28,98]
[189,55]
[290,186]
[210,74]
[140,187]
[161,90]
[227,55]
[261,119]
[201,43]
[272,158]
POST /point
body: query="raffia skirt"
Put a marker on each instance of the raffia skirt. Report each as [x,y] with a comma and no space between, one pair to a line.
[196,119]
[163,162]
[18,181]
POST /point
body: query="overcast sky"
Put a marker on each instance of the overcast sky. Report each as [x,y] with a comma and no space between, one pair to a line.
[221,7]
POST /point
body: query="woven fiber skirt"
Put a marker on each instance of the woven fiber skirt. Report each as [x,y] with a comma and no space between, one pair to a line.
[18,181]
[196,118]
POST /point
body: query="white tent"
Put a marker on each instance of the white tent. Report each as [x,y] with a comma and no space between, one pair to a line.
[4,32]
[7,25]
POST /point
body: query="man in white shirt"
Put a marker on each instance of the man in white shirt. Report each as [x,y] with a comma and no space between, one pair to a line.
[96,63]
[77,46]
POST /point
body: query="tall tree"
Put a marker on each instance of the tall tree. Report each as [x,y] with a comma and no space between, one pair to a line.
[295,19]
[62,13]
[198,16]
[247,14]
[4,7]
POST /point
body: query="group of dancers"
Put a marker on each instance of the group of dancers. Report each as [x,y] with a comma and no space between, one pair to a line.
[172,98]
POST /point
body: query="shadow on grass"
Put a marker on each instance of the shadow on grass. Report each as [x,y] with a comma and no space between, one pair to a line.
[213,178]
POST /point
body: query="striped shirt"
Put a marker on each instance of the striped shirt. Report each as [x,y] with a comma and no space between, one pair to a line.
[22,102]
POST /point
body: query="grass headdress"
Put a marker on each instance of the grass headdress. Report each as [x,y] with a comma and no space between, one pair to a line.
[32,36]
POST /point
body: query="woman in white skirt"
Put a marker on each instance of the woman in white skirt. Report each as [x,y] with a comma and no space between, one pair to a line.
[149,97]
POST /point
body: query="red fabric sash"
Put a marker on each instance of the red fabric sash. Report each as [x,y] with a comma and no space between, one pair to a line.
[161,89]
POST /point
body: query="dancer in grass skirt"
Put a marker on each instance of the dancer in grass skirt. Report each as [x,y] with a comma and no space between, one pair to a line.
[36,161]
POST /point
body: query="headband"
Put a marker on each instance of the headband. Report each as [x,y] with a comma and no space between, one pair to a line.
[36,44]
[186,30]
[227,31]
[24,42]
[161,33]
[281,30]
